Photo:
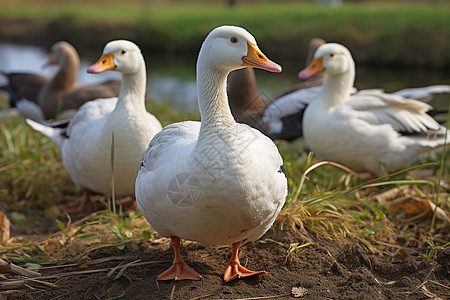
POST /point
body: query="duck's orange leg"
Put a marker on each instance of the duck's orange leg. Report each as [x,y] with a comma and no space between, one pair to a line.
[85,205]
[179,269]
[235,270]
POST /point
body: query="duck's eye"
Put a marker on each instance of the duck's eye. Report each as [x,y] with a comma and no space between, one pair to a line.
[234,40]
[331,54]
[123,52]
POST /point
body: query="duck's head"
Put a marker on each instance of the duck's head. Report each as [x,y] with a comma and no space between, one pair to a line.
[331,58]
[120,55]
[229,47]
[59,52]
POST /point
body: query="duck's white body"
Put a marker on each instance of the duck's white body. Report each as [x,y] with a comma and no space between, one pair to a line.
[216,182]
[89,163]
[86,144]
[219,190]
[235,188]
[369,131]
[296,102]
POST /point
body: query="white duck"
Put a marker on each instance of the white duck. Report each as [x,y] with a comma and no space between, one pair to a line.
[283,118]
[214,181]
[86,144]
[369,131]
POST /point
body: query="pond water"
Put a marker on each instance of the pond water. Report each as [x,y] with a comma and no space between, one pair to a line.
[172,79]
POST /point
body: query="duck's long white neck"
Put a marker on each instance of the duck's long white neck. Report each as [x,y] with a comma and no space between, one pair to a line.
[216,117]
[132,89]
[336,88]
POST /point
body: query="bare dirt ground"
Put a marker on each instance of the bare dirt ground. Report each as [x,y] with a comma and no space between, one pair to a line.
[328,269]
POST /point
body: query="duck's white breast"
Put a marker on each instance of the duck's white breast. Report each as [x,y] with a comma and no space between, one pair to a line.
[218,197]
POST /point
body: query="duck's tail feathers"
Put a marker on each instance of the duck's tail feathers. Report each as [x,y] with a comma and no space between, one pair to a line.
[56,131]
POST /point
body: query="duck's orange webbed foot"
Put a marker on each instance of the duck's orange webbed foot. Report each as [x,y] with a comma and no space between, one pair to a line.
[235,270]
[179,269]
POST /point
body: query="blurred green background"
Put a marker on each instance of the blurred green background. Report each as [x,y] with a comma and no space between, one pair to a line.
[379,33]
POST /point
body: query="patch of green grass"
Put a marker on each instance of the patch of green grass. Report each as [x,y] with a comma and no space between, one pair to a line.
[330,202]
[31,171]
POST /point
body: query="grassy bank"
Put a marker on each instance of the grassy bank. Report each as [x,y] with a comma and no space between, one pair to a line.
[400,35]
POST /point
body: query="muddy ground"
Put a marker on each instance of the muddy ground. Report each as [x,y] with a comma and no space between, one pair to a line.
[328,269]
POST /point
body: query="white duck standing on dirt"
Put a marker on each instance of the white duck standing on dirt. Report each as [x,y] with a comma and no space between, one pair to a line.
[103,124]
[370,130]
[214,181]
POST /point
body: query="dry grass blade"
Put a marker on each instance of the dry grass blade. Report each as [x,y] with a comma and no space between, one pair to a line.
[439,284]
[441,174]
[202,297]
[12,268]
[112,203]
[12,285]
[91,262]
[21,284]
[87,272]
[266,297]
[172,292]
[44,283]
[425,280]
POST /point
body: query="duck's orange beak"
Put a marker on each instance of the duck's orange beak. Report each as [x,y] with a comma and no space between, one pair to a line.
[105,63]
[315,67]
[256,59]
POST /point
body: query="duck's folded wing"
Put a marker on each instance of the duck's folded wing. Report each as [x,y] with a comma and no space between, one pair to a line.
[92,110]
[405,116]
[170,143]
[290,104]
[284,116]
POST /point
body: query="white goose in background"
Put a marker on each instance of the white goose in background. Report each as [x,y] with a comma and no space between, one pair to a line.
[86,144]
[214,181]
[369,131]
[283,118]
